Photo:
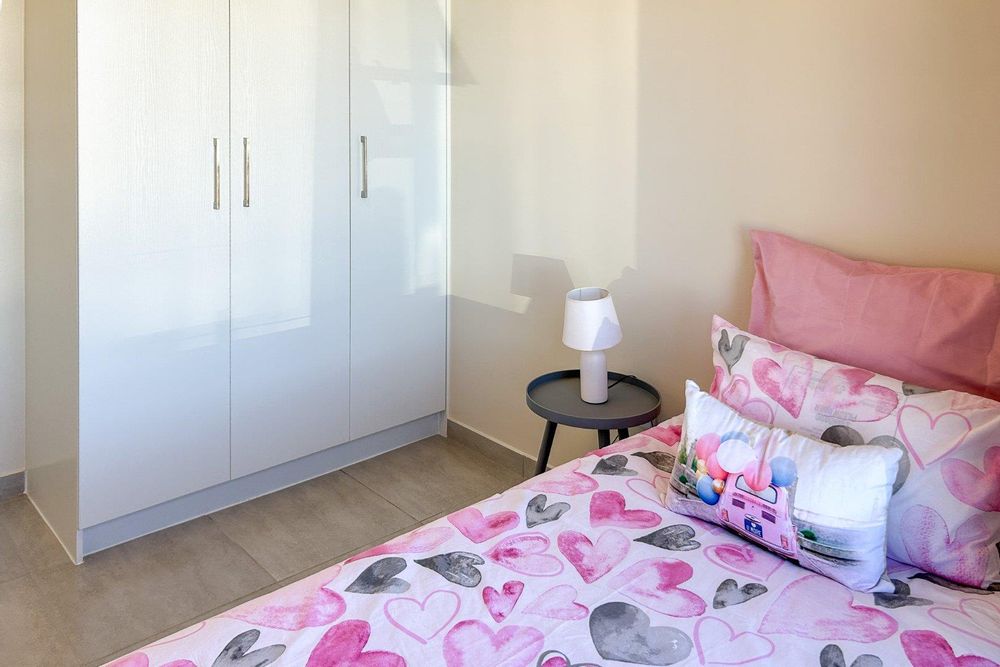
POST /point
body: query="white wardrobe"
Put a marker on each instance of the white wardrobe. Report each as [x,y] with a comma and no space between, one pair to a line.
[251,196]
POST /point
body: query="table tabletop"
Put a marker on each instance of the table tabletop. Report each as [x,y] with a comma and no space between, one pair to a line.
[556,397]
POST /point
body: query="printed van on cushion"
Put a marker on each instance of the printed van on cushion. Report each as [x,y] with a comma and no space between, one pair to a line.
[814,502]
[945,512]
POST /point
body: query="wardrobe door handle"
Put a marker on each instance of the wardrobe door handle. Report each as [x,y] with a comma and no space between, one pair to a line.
[216,175]
[246,172]
[364,167]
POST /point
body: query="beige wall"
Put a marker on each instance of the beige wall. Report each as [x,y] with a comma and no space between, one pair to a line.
[11,237]
[631,144]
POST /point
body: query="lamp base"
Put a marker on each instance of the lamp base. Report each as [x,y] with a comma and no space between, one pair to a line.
[594,377]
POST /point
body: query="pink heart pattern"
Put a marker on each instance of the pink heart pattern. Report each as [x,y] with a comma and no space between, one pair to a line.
[926,648]
[974,487]
[844,393]
[607,508]
[558,602]
[423,619]
[418,542]
[343,646]
[524,553]
[819,608]
[737,396]
[717,643]
[787,382]
[304,604]
[978,613]
[593,560]
[500,603]
[654,583]
[655,490]
[472,644]
[930,438]
[928,541]
[744,559]
[563,481]
[478,528]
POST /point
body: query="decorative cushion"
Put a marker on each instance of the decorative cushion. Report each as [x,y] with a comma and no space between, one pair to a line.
[819,504]
[945,515]
[934,327]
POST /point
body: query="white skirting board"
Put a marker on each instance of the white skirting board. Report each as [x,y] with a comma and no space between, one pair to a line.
[108,534]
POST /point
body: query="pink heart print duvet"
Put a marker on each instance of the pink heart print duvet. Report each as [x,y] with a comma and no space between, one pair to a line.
[585,566]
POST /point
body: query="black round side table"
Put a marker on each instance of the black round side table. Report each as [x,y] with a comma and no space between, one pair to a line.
[556,398]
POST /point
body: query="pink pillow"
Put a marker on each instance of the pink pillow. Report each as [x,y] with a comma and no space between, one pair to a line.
[944,516]
[937,328]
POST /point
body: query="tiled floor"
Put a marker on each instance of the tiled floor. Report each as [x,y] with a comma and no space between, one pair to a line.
[54,613]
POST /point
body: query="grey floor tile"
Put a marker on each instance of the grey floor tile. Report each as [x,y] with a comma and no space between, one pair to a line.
[27,634]
[27,539]
[292,530]
[433,476]
[132,591]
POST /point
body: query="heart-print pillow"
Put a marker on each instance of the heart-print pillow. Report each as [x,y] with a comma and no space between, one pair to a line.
[786,492]
[950,442]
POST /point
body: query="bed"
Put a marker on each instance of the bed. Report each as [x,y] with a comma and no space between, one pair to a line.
[584,566]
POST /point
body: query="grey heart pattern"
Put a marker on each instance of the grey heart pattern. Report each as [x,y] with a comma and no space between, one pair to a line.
[623,632]
[900,597]
[944,583]
[549,655]
[730,594]
[458,567]
[614,465]
[845,436]
[915,389]
[677,537]
[536,513]
[237,652]
[732,351]
[659,460]
[833,656]
[380,577]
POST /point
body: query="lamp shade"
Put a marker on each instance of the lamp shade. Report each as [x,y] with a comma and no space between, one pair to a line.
[591,322]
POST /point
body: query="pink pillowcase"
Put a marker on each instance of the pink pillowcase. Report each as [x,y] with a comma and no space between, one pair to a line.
[933,327]
[944,516]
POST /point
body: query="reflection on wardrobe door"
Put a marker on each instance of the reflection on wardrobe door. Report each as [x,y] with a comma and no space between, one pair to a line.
[290,230]
[153,252]
[398,78]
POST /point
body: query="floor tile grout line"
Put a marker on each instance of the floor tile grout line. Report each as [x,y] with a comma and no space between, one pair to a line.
[375,491]
[239,546]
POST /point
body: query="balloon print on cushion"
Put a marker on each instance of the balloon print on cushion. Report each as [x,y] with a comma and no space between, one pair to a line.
[458,567]
[974,487]
[473,644]
[717,643]
[925,648]
[844,394]
[845,436]
[623,632]
[537,513]
[730,594]
[900,597]
[931,546]
[820,608]
[787,382]
[343,646]
[238,653]
[833,656]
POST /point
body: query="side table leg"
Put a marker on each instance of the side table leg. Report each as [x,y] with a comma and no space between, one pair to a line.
[543,451]
[603,438]
[622,433]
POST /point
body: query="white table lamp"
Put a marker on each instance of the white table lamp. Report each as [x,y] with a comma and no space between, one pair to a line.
[591,326]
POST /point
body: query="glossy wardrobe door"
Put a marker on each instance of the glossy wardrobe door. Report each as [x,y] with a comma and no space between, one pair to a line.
[153,252]
[290,230]
[398,124]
